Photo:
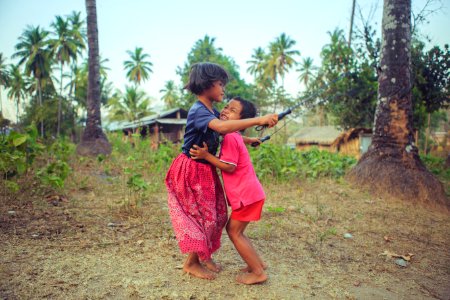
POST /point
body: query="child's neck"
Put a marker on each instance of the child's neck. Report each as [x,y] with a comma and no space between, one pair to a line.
[208,103]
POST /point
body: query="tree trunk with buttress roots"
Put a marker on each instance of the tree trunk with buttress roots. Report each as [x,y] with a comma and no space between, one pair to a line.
[392,165]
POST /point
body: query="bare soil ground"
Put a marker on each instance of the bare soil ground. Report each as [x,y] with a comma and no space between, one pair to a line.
[96,245]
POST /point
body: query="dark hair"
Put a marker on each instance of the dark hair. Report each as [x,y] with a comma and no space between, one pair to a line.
[203,75]
[248,108]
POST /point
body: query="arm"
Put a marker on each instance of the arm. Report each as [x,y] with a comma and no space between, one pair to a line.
[202,153]
[229,126]
[250,140]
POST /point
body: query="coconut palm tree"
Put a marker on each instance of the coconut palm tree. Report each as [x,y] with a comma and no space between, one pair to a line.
[78,33]
[281,57]
[17,88]
[131,106]
[93,141]
[306,70]
[257,63]
[138,69]
[65,49]
[171,94]
[33,50]
[4,78]
[77,28]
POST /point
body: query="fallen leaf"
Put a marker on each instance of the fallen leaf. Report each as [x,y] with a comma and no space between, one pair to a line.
[388,238]
[389,254]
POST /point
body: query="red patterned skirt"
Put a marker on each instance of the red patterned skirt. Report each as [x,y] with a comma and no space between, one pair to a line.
[197,206]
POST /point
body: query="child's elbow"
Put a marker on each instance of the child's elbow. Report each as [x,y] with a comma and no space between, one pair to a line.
[230,168]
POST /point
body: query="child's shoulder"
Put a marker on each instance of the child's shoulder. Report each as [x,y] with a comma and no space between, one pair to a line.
[200,108]
[194,107]
[233,137]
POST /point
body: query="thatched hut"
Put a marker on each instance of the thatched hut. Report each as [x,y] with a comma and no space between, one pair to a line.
[440,143]
[316,136]
[353,142]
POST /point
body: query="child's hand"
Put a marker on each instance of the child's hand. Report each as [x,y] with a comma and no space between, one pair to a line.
[199,153]
[251,140]
[270,120]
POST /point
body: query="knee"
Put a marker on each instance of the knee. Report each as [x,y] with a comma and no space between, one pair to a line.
[233,233]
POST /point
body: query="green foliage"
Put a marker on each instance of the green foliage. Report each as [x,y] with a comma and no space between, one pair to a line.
[18,151]
[205,50]
[137,183]
[130,106]
[54,174]
[11,186]
[138,68]
[283,163]
[275,209]
[432,76]
[22,151]
[56,171]
[437,166]
[61,149]
[352,99]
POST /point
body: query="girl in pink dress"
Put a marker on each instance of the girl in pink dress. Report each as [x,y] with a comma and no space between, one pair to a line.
[196,200]
[244,192]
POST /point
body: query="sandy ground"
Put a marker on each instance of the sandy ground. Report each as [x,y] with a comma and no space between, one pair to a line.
[96,246]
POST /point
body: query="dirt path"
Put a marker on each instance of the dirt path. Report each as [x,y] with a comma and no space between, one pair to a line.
[93,247]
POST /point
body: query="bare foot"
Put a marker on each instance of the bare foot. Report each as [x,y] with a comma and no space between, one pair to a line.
[251,278]
[247,269]
[197,270]
[213,266]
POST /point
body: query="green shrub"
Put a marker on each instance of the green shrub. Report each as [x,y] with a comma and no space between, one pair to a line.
[283,163]
[54,174]
[18,152]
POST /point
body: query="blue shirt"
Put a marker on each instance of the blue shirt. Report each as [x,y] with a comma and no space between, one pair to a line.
[197,130]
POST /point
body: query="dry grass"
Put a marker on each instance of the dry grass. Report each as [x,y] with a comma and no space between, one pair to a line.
[69,251]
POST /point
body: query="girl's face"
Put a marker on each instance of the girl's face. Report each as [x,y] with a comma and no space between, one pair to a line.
[216,92]
[232,111]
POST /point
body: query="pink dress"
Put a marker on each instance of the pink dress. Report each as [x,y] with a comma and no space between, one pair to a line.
[197,206]
[196,201]
[242,186]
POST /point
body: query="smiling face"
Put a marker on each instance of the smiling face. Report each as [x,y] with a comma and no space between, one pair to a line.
[232,111]
[216,92]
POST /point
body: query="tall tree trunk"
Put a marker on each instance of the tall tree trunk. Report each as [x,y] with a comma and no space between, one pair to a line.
[71,98]
[93,141]
[40,105]
[392,165]
[427,134]
[351,25]
[1,102]
[17,110]
[58,128]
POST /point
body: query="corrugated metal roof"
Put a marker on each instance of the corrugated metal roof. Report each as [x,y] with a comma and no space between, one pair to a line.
[149,120]
[172,121]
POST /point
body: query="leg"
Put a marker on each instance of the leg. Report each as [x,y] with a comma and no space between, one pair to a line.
[247,268]
[192,266]
[235,230]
